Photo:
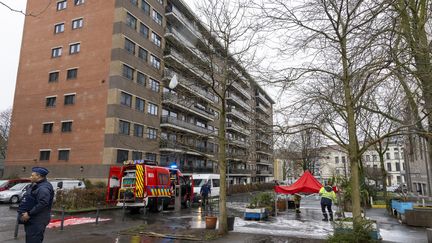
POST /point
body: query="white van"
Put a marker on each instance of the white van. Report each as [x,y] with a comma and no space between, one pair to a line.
[200,179]
[67,184]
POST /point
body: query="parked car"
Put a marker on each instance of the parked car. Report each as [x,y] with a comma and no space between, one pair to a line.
[6,184]
[15,193]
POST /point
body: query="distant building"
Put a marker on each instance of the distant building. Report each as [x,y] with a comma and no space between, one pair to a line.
[418,165]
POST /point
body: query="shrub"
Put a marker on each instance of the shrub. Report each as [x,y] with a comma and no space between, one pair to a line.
[80,198]
[361,232]
[263,199]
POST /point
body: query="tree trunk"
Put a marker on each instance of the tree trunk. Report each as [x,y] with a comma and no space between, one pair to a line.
[223,224]
[384,175]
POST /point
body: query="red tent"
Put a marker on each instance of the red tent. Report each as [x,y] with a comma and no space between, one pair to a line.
[306,184]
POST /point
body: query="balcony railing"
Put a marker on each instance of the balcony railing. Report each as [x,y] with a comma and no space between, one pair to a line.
[262,108]
[171,9]
[185,147]
[187,104]
[186,42]
[263,172]
[263,99]
[240,115]
[186,125]
[238,128]
[237,142]
[239,171]
[239,101]
[190,169]
[241,90]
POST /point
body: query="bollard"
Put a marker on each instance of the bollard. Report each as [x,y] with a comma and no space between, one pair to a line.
[62,222]
[423,203]
[16,228]
[97,214]
[371,201]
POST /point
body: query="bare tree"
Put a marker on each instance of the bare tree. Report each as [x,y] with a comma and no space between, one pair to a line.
[26,13]
[5,123]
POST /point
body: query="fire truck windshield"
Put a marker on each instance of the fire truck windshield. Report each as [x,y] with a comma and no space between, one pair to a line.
[128,182]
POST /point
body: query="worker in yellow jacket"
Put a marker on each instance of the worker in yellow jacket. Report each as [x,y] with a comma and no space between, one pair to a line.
[328,196]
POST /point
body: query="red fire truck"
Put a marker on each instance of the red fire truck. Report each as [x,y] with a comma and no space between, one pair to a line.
[137,184]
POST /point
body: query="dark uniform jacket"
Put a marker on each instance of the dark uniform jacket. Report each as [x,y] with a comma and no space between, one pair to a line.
[37,201]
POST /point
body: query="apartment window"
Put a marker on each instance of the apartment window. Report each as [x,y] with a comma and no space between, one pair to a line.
[122,155]
[139,104]
[152,133]
[150,156]
[141,79]
[77,23]
[398,167]
[157,17]
[387,155]
[134,2]
[142,54]
[367,158]
[337,160]
[47,127]
[343,159]
[63,154]
[154,85]
[155,62]
[72,73]
[144,30]
[131,21]
[129,46]
[59,28]
[396,155]
[44,155]
[50,101]
[126,99]
[145,7]
[374,158]
[389,167]
[74,48]
[136,155]
[152,109]
[156,39]
[128,72]
[124,127]
[56,52]
[69,99]
[78,2]
[66,126]
[53,77]
[138,130]
[61,5]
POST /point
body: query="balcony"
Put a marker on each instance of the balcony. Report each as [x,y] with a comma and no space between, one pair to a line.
[263,118]
[176,15]
[239,171]
[265,140]
[237,156]
[191,86]
[241,90]
[237,128]
[237,142]
[176,57]
[239,115]
[264,172]
[174,35]
[185,126]
[262,108]
[187,105]
[263,161]
[264,151]
[190,169]
[263,99]
[238,101]
[188,149]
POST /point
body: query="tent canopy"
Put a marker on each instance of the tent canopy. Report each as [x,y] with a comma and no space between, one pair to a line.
[307,183]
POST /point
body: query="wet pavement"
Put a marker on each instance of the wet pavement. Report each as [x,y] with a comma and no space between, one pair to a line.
[286,227]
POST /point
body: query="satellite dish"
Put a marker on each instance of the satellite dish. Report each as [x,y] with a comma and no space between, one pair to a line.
[173,83]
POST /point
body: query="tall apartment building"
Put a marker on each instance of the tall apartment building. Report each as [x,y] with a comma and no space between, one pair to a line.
[93,92]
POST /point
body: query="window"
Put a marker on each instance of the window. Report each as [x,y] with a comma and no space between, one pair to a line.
[389,167]
[152,109]
[387,155]
[150,156]
[157,17]
[124,127]
[136,155]
[53,77]
[343,159]
[126,99]
[152,133]
[337,160]
[56,52]
[374,158]
[128,72]
[154,85]
[122,155]
[156,39]
[63,155]
[138,130]
[69,99]
[59,28]
[66,126]
[155,62]
[142,54]
[398,167]
[396,155]
[47,127]
[129,46]
[144,30]
[139,104]
[72,73]
[134,2]
[145,7]
[141,79]
[77,23]
[50,101]
[131,21]
[216,182]
[61,5]
[78,2]
[44,154]
[74,48]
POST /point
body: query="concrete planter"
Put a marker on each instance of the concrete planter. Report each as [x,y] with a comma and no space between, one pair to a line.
[421,217]
[255,213]
[347,226]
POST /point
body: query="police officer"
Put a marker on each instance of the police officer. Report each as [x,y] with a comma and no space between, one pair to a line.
[34,210]
[327,197]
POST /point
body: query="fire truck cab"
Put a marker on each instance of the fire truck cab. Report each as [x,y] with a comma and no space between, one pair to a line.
[136,185]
